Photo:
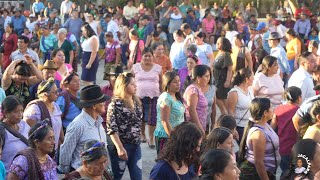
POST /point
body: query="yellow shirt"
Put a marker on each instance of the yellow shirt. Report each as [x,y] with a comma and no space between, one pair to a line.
[291,53]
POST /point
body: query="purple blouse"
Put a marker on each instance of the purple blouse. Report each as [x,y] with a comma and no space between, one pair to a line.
[183,73]
[19,167]
[202,106]
[33,112]
[13,145]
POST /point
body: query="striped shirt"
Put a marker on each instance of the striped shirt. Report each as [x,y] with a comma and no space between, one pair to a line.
[79,131]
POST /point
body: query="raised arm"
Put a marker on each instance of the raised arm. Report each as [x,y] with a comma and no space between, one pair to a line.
[6,78]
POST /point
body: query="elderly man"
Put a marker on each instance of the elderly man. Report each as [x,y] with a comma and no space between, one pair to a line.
[86,126]
[48,70]
[23,43]
[302,78]
[278,51]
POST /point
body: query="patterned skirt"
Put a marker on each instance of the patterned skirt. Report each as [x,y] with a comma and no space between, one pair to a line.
[150,110]
[249,172]
[160,143]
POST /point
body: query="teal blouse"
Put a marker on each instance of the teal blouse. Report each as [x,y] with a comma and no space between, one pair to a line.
[176,113]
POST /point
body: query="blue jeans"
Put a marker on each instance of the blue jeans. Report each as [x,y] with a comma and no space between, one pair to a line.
[134,162]
[1,34]
[102,40]
[291,64]
[124,49]
[285,163]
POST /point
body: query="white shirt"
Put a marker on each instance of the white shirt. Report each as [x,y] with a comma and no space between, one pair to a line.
[114,28]
[303,80]
[94,25]
[230,35]
[65,7]
[15,55]
[129,12]
[86,44]
[30,25]
[281,29]
[7,20]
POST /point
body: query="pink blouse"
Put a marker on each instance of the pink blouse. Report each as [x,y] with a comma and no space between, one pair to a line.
[59,76]
[147,81]
[209,25]
[269,87]
[202,106]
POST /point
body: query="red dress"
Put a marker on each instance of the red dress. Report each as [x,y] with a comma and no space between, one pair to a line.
[10,45]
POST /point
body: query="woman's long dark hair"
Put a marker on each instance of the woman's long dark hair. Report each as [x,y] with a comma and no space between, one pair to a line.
[10,103]
[241,76]
[200,70]
[213,162]
[217,136]
[182,145]
[167,79]
[257,108]
[226,45]
[90,31]
[267,62]
[292,33]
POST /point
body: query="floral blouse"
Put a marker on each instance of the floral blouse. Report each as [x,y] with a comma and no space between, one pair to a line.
[124,121]
[19,167]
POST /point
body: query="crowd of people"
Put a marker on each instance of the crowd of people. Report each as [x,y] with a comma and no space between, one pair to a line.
[222,95]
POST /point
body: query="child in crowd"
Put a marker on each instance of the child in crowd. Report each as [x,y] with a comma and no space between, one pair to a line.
[27,33]
[314,35]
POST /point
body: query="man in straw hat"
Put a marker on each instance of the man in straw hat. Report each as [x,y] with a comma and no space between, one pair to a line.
[278,51]
[48,70]
[86,126]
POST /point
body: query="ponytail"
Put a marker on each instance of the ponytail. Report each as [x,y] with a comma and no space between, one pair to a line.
[242,151]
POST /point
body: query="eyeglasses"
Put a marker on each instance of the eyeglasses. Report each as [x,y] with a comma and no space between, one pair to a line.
[97,145]
[54,92]
[44,123]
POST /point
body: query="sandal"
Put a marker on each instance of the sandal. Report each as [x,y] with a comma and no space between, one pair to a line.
[143,140]
[151,146]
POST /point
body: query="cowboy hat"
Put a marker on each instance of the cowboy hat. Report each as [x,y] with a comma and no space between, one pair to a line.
[274,35]
[91,95]
[49,64]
